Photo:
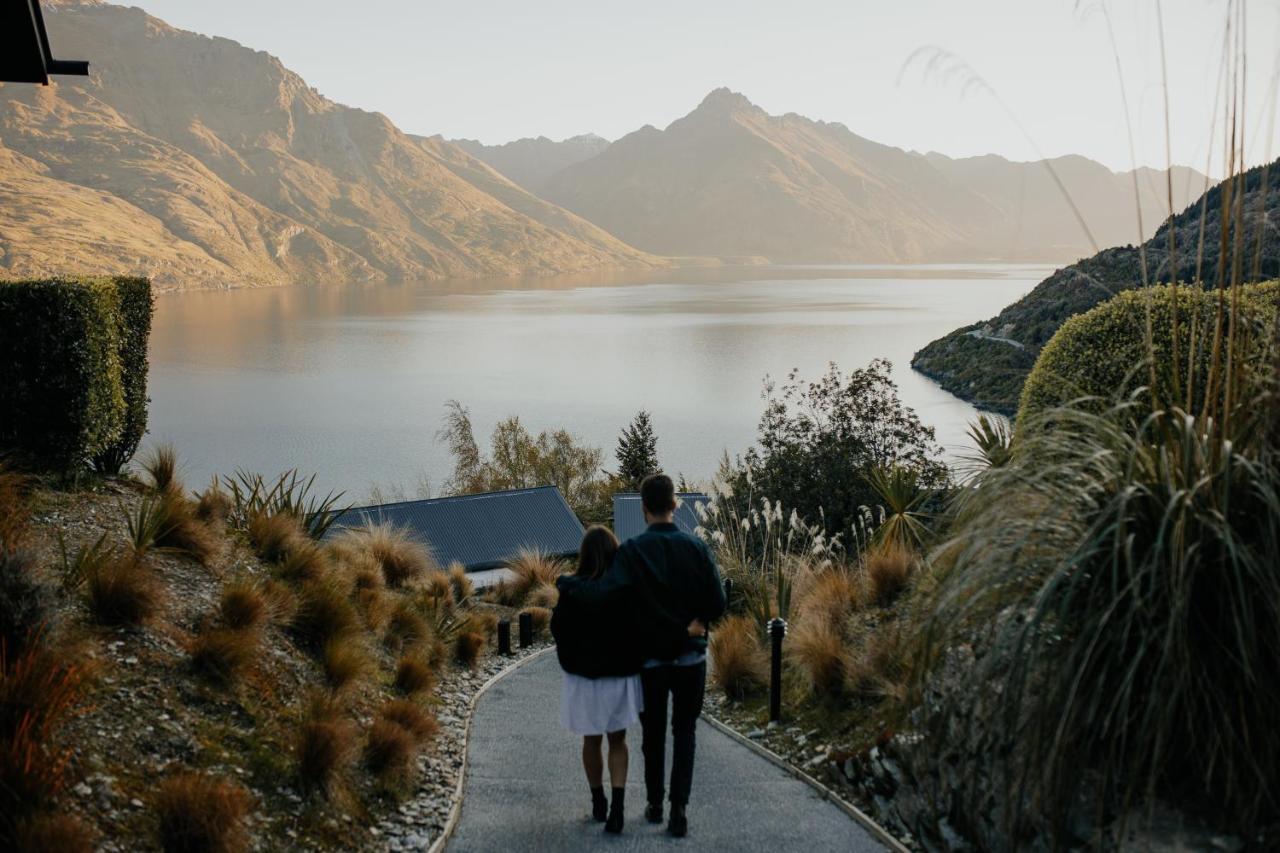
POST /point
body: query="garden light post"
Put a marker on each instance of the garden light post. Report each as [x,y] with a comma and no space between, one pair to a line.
[526,630]
[504,636]
[728,592]
[777,630]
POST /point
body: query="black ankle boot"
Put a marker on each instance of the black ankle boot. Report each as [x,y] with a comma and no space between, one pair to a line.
[653,812]
[678,826]
[599,805]
[616,808]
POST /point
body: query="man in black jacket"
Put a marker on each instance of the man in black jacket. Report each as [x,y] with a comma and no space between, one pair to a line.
[670,578]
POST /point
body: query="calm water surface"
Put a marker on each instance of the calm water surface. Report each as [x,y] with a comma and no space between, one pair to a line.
[351,382]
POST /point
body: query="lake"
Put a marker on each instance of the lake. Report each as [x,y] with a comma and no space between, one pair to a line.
[350,383]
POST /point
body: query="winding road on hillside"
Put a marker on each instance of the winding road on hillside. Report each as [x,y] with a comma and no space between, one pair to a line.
[525,789]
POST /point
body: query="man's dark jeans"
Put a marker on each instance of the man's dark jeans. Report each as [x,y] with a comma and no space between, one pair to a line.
[685,685]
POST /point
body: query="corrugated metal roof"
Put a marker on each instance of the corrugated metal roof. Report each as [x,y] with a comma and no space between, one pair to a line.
[480,531]
[628,513]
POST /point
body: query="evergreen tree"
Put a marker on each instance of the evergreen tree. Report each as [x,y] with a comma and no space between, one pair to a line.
[637,452]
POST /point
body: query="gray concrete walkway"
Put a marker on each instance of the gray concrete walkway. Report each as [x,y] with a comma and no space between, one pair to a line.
[525,789]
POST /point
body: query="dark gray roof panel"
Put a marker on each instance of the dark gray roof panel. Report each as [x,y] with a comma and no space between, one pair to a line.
[628,514]
[479,531]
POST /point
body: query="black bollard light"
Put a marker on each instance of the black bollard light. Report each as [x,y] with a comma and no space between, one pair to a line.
[526,630]
[504,636]
[777,630]
[728,593]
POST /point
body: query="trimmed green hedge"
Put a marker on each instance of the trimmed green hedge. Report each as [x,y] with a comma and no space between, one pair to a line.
[69,347]
[1102,352]
[136,308]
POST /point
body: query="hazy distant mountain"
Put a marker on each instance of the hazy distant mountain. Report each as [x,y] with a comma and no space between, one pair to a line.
[729,179]
[204,163]
[531,162]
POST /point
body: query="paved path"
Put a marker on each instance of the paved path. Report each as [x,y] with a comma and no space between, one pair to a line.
[525,789]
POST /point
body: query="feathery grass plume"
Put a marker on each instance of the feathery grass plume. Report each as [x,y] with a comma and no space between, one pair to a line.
[540,617]
[468,648]
[213,505]
[411,717]
[275,537]
[324,613]
[817,647]
[414,675]
[26,605]
[15,508]
[243,605]
[47,833]
[346,662]
[223,655]
[161,467]
[324,750]
[460,584]
[888,570]
[739,666]
[199,813]
[401,557]
[123,591]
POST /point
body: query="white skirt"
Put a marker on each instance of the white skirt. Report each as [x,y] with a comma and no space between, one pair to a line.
[596,706]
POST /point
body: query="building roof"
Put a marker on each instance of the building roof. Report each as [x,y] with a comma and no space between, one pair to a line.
[24,46]
[628,514]
[480,531]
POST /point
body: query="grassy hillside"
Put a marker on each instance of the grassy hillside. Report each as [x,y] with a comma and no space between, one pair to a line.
[988,362]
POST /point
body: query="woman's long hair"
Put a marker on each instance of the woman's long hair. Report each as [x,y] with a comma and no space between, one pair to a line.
[595,555]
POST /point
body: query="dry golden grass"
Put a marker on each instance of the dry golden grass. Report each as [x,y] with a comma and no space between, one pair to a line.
[324,751]
[375,607]
[223,655]
[389,752]
[436,586]
[541,618]
[459,584]
[54,833]
[469,648]
[214,505]
[410,716]
[879,669]
[531,570]
[888,570]
[818,649]
[198,813]
[282,601]
[161,468]
[828,596]
[243,605]
[401,557]
[123,591]
[739,665]
[305,561]
[405,627]
[544,595]
[346,662]
[275,537]
[324,613]
[414,675]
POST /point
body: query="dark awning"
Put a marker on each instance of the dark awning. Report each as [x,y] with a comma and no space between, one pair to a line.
[24,46]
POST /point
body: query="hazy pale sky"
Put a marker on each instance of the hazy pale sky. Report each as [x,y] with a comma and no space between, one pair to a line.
[497,70]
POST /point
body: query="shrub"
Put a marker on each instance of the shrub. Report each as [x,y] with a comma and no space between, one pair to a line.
[54,833]
[389,751]
[819,650]
[161,466]
[61,398]
[198,813]
[345,663]
[413,675]
[888,569]
[468,648]
[136,308]
[26,605]
[460,585]
[122,591]
[243,605]
[275,536]
[1103,354]
[324,751]
[739,666]
[324,613]
[223,654]
[412,718]
[401,557]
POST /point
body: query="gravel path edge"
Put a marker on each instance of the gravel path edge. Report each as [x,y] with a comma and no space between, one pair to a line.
[455,811]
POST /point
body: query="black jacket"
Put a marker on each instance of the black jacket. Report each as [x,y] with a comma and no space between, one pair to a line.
[593,637]
[659,582]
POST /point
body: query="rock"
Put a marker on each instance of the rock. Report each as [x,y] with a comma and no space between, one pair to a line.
[755,734]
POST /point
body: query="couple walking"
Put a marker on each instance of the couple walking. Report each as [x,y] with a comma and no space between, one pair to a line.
[630,630]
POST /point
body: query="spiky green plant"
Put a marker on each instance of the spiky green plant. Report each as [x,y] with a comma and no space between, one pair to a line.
[902,499]
[289,494]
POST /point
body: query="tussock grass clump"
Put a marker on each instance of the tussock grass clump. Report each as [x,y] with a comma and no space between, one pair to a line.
[213,505]
[389,752]
[414,675]
[324,750]
[123,591]
[412,718]
[888,569]
[324,613]
[829,596]
[468,648]
[198,813]
[54,833]
[346,662]
[26,605]
[818,648]
[739,665]
[530,570]
[460,585]
[401,557]
[161,468]
[406,627]
[436,587]
[243,605]
[223,655]
[275,536]
[182,531]
[304,561]
[544,596]
[880,669]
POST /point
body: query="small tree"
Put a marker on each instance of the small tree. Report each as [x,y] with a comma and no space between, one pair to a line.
[637,452]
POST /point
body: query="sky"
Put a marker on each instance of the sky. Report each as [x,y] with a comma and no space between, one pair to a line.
[497,70]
